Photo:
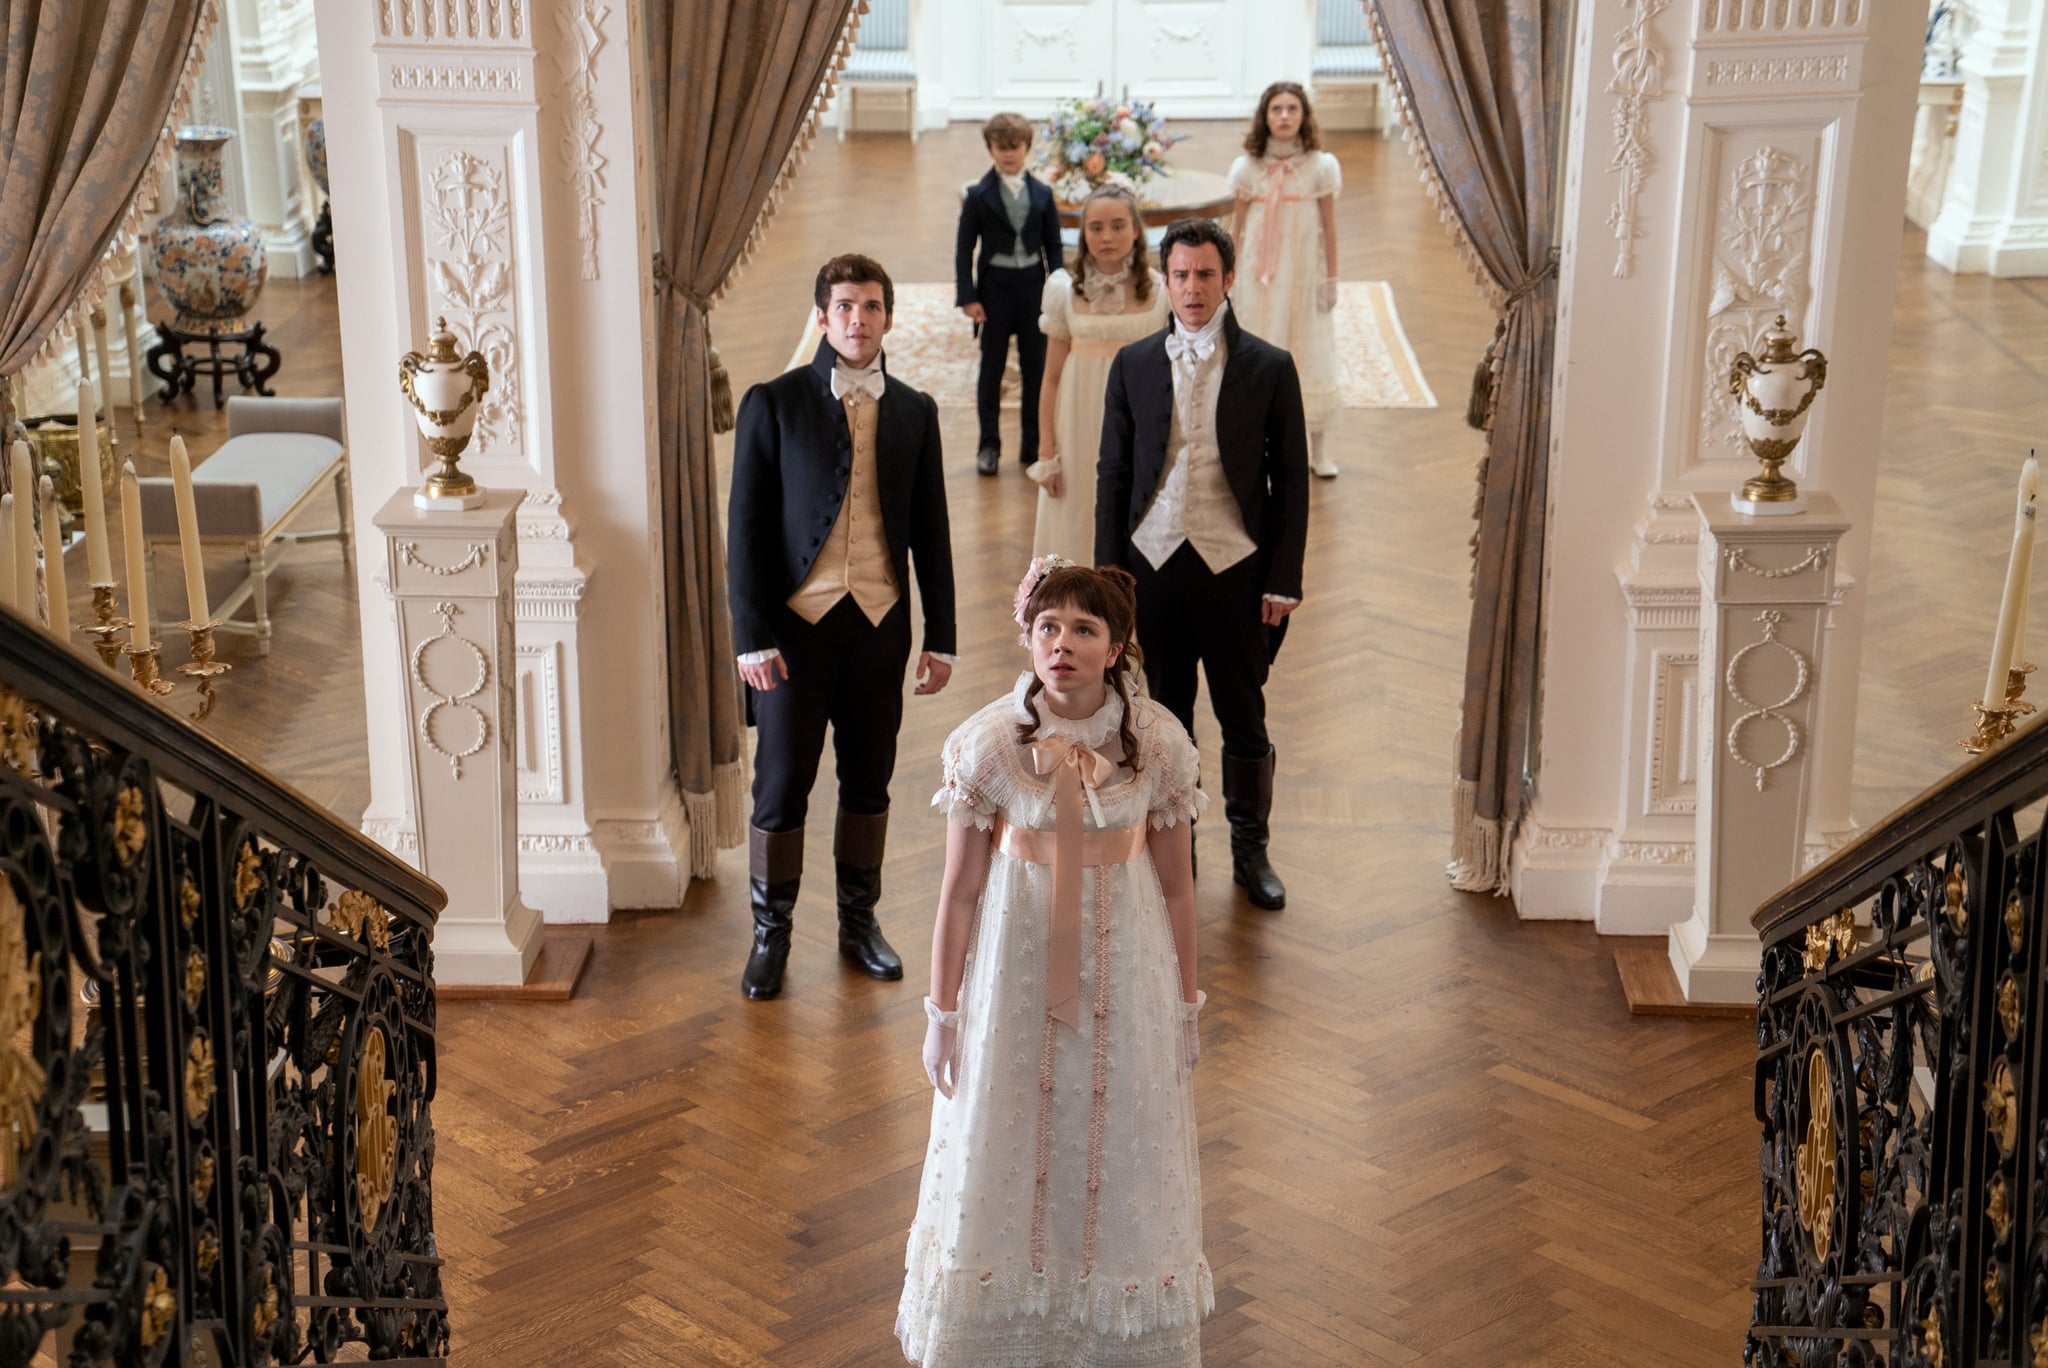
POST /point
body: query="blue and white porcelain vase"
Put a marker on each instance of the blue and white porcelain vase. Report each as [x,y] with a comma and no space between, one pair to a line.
[210,262]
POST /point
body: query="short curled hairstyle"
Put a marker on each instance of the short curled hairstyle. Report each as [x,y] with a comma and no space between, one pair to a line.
[1008,130]
[851,268]
[1194,232]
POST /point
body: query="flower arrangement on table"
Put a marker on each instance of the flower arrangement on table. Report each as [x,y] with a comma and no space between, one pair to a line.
[1094,139]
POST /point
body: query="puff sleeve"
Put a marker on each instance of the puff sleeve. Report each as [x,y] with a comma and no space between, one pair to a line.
[1244,177]
[1054,304]
[1329,176]
[964,763]
[1175,768]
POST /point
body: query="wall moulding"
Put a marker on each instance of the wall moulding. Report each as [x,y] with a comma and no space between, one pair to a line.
[1777,20]
[456,79]
[1672,787]
[1775,75]
[454,23]
[1638,78]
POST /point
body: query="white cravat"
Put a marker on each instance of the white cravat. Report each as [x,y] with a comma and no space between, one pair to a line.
[866,381]
[1013,184]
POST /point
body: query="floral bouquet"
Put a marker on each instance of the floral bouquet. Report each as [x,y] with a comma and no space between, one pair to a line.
[1091,140]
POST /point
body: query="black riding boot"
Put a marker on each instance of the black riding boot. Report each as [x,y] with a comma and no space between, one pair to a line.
[857,852]
[1248,804]
[775,870]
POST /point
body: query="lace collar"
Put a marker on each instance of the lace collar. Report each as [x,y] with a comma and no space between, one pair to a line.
[1093,731]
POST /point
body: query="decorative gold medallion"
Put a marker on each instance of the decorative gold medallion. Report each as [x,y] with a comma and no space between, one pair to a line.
[2015,920]
[159,1307]
[264,1313]
[202,1177]
[198,1078]
[2001,1111]
[195,979]
[2009,1006]
[21,1002]
[248,875]
[1930,1337]
[20,732]
[188,902]
[1816,1157]
[130,830]
[358,914]
[1958,889]
[1830,936]
[1995,1207]
[376,1129]
[1994,1291]
[209,1251]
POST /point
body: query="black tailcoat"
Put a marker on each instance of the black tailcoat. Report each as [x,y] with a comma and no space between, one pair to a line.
[1260,432]
[792,463]
[982,216]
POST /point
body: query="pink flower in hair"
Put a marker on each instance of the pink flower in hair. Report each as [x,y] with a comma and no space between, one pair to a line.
[1041,566]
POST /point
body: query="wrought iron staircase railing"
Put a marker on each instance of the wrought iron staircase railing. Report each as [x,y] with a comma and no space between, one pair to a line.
[216,1048]
[1900,1053]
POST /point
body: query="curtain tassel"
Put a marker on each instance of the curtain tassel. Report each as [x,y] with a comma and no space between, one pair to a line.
[1479,408]
[721,396]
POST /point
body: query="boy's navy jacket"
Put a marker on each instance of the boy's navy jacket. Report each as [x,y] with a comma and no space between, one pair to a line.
[982,216]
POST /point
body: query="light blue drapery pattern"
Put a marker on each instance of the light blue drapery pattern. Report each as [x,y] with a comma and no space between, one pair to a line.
[1480,87]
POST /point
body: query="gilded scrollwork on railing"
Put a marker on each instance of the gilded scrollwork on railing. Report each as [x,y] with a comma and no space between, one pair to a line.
[1899,1085]
[221,1078]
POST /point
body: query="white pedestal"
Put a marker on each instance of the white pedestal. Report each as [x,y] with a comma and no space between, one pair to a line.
[1766,588]
[451,583]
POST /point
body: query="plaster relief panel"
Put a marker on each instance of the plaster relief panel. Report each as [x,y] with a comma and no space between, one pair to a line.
[1176,48]
[540,722]
[1046,51]
[453,22]
[1772,19]
[1673,787]
[463,207]
[1756,261]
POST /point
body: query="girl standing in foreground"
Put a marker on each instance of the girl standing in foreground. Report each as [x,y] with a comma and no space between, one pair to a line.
[1111,297]
[1285,225]
[1059,1215]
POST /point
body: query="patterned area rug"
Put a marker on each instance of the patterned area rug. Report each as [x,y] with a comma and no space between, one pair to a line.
[932,346]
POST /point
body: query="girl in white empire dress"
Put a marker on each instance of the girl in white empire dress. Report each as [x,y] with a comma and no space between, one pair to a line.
[1111,297]
[1059,1220]
[1285,225]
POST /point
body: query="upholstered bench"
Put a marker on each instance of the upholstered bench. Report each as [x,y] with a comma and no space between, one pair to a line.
[278,455]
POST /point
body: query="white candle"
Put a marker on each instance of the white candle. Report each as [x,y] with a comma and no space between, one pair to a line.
[134,356]
[2030,486]
[188,532]
[84,362]
[2009,605]
[7,550]
[24,525]
[53,563]
[99,347]
[99,555]
[138,558]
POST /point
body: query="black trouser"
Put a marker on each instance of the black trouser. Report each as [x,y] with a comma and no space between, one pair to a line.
[1188,615]
[844,671]
[1010,297]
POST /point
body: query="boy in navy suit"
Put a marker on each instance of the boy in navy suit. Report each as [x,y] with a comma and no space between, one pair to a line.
[1011,214]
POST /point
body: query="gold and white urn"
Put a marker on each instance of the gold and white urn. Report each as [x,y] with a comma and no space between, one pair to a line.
[1774,392]
[445,388]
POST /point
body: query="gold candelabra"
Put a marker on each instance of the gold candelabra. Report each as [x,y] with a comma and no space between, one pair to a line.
[145,663]
[105,628]
[202,668]
[1995,724]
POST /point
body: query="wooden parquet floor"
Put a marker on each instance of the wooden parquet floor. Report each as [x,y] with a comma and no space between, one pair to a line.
[1430,1134]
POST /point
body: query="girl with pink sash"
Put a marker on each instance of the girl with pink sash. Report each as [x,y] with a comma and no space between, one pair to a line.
[1059,1217]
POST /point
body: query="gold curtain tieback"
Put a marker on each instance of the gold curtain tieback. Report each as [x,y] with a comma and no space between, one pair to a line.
[1076,771]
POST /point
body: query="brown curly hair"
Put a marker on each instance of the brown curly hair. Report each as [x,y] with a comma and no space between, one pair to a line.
[1112,595]
[1310,137]
[1141,257]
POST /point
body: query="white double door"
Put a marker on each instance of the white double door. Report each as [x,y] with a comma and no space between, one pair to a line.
[1195,59]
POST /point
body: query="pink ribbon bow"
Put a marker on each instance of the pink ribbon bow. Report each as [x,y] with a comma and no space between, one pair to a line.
[1269,236]
[1076,771]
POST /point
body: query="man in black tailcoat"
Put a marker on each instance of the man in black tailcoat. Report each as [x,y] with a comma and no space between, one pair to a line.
[836,490]
[1202,494]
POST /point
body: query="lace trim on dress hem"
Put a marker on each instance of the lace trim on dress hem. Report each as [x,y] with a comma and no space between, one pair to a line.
[1108,1303]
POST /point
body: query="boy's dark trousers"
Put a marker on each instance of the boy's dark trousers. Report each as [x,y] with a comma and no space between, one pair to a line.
[1010,297]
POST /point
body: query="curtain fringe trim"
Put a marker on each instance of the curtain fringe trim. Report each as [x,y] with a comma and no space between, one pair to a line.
[1479,845]
[107,275]
[798,151]
[1490,290]
[717,819]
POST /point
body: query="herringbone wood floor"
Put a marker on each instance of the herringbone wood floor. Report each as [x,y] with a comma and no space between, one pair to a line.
[1431,1134]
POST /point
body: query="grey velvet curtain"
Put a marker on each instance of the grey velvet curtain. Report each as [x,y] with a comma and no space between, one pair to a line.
[1480,83]
[87,89]
[736,85]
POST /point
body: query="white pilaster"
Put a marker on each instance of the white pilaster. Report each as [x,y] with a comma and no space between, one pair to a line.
[1995,215]
[451,577]
[1718,172]
[1767,588]
[275,53]
[453,196]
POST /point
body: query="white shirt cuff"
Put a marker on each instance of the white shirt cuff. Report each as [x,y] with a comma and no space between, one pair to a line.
[759,657]
[1040,471]
[1282,598]
[945,658]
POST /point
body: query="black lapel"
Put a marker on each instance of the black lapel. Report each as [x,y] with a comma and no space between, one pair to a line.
[1237,370]
[1154,381]
[899,440]
[991,192]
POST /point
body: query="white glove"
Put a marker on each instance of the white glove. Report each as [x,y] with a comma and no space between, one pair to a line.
[1326,296]
[942,1048]
[1190,1035]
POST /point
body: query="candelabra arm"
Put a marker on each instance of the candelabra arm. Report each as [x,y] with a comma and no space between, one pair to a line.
[202,668]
